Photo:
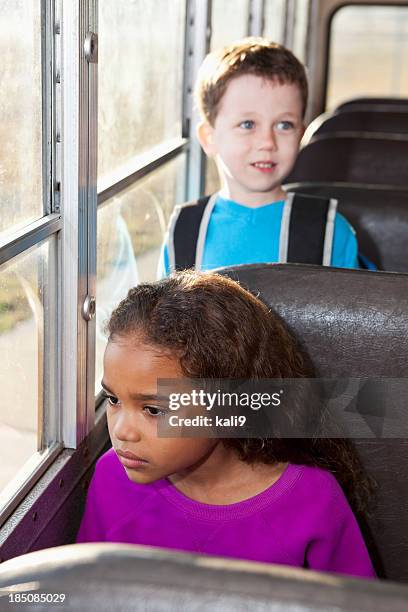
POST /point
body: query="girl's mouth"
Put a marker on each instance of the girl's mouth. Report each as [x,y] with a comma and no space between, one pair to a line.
[130,460]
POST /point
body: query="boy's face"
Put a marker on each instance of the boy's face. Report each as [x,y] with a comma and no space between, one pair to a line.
[130,382]
[255,138]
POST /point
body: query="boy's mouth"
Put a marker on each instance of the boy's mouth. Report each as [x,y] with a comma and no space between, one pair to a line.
[264,166]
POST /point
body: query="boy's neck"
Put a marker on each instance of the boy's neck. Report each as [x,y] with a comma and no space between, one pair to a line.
[253,200]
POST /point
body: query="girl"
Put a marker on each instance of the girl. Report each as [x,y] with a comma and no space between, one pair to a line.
[271,500]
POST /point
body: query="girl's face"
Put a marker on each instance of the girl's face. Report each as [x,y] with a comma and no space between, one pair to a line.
[130,376]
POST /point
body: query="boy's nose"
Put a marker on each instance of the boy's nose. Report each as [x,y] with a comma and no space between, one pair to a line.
[268,140]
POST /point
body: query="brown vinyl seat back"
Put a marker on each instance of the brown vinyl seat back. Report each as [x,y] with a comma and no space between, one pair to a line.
[347,159]
[354,324]
[379,216]
[376,104]
[374,122]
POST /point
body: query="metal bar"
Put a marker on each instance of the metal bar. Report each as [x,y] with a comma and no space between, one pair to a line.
[92,124]
[28,236]
[256,18]
[138,167]
[74,195]
[197,45]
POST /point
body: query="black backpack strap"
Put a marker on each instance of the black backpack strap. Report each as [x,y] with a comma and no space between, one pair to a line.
[187,230]
[307,229]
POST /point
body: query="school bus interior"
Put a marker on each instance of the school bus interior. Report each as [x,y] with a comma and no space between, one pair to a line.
[85,230]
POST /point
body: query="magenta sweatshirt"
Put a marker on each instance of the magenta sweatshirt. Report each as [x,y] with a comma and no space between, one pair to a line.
[302,520]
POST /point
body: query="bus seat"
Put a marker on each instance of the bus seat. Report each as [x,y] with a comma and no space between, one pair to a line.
[378,122]
[379,216]
[354,324]
[108,577]
[349,159]
[377,104]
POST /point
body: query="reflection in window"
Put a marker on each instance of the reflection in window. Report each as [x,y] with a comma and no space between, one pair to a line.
[274,20]
[131,229]
[20,111]
[22,287]
[368,53]
[140,77]
[229,21]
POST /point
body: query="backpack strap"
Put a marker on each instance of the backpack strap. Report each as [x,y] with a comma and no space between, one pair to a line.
[307,229]
[365,263]
[187,232]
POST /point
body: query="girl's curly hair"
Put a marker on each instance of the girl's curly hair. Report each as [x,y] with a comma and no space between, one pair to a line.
[217,329]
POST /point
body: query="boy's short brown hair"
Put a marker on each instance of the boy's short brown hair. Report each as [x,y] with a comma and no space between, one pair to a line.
[252,55]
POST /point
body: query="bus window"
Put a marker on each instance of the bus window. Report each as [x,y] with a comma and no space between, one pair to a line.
[368,53]
[139,121]
[229,21]
[274,20]
[131,228]
[300,30]
[140,78]
[26,323]
[21,112]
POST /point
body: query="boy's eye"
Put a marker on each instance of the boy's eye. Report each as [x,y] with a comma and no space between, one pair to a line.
[247,124]
[285,125]
[153,411]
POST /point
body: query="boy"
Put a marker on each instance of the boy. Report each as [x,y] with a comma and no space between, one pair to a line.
[252,97]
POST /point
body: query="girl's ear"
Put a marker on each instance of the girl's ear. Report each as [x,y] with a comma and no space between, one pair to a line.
[205,135]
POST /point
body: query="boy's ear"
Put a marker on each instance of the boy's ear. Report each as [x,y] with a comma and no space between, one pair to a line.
[205,135]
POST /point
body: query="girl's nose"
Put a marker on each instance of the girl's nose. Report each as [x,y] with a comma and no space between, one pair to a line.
[125,428]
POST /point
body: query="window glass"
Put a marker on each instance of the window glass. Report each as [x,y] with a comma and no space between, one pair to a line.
[229,21]
[212,181]
[23,285]
[368,53]
[131,229]
[20,111]
[274,20]
[141,46]
[299,42]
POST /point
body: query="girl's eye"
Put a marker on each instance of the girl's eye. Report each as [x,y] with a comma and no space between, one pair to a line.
[285,125]
[112,400]
[153,411]
[247,124]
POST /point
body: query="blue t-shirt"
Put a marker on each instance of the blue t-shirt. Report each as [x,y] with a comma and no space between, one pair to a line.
[238,234]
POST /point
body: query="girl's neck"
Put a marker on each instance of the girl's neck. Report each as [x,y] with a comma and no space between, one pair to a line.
[224,479]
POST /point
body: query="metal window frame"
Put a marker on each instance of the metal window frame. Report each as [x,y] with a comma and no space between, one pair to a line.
[197,44]
[20,242]
[256,16]
[138,167]
[78,131]
[321,14]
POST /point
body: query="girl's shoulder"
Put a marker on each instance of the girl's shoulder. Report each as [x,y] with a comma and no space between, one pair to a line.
[110,481]
[316,490]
